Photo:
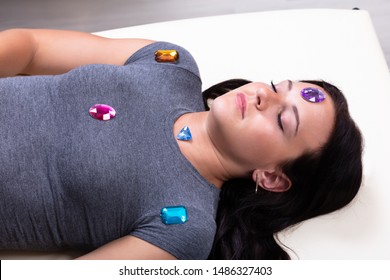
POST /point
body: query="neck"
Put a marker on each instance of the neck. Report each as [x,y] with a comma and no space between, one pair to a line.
[200,151]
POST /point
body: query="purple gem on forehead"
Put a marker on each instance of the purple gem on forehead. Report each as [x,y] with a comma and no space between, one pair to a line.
[313,95]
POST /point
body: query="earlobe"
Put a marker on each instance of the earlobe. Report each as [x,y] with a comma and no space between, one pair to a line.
[273,181]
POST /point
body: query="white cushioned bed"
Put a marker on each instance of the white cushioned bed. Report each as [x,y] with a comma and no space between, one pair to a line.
[339,46]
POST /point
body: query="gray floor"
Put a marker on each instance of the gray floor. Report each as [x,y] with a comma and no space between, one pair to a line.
[96,15]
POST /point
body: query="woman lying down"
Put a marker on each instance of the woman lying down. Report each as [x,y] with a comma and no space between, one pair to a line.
[110,147]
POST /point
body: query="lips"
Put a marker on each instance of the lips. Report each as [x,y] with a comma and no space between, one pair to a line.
[241,103]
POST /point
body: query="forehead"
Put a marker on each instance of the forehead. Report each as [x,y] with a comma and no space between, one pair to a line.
[316,118]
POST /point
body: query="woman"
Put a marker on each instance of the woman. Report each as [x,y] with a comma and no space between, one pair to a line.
[109,149]
[320,182]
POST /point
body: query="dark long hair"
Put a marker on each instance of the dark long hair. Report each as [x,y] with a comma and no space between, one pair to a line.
[322,182]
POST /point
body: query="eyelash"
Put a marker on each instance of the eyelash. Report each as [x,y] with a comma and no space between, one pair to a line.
[280,124]
[273,87]
[280,121]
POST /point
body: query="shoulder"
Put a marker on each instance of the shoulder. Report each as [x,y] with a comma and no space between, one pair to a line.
[165,54]
[190,240]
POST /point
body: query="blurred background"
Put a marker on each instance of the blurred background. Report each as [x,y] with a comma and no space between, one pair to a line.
[98,15]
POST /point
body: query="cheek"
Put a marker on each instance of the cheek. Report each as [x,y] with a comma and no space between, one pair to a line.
[221,124]
[221,109]
[219,119]
[256,140]
[262,127]
[262,139]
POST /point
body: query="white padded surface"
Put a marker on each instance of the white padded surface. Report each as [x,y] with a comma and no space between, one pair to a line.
[339,46]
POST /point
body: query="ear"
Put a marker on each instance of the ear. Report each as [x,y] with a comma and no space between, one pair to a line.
[274,181]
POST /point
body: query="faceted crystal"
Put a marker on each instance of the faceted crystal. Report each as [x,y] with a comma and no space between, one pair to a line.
[171,215]
[166,56]
[313,95]
[185,134]
[102,112]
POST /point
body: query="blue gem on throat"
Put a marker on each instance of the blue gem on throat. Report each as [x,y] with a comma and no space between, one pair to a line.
[173,215]
[184,134]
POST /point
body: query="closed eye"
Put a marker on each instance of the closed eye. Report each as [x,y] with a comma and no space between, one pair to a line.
[280,124]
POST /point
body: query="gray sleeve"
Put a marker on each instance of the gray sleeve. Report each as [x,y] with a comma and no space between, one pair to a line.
[189,241]
[146,55]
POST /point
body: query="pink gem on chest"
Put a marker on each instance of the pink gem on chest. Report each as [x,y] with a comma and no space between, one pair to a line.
[102,112]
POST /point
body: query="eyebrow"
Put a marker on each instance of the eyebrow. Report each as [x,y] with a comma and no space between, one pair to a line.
[290,84]
[295,109]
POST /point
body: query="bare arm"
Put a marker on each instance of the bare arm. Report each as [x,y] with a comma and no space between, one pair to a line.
[128,248]
[41,51]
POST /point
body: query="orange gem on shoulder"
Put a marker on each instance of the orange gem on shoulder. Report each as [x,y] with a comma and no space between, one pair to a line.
[170,56]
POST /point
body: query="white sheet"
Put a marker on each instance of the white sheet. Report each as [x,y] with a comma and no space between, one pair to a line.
[336,45]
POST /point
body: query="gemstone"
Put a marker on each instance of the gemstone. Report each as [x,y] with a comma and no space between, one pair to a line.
[184,134]
[166,56]
[171,215]
[313,95]
[102,112]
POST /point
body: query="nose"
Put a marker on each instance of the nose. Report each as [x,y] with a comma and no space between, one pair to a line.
[266,97]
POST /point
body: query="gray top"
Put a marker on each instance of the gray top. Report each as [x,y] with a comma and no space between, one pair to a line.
[68,180]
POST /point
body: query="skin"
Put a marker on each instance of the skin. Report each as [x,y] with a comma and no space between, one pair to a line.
[227,142]
[233,142]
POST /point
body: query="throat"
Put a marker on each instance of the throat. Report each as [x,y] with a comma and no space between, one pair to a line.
[197,148]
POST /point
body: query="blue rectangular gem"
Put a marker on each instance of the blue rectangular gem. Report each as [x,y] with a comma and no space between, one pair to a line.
[171,215]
